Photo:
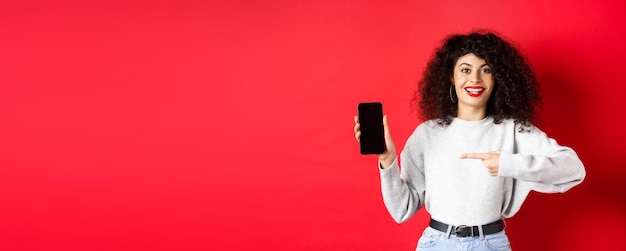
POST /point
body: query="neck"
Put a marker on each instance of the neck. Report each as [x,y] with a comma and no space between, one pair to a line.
[471,113]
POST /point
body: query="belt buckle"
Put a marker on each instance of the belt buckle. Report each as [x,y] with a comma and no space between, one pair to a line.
[462,231]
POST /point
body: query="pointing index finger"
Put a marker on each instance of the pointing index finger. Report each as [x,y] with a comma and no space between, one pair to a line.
[475,156]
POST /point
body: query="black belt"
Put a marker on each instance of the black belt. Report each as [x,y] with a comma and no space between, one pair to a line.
[465,231]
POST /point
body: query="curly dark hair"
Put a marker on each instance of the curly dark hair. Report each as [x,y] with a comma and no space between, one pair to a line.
[516,91]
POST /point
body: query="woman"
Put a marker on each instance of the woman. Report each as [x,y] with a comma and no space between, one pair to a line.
[477,155]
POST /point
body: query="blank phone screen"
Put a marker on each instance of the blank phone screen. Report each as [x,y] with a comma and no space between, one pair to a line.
[372,139]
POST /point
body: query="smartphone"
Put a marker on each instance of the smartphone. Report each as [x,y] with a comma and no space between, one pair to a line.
[372,131]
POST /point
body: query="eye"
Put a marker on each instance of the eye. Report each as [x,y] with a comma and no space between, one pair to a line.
[486,70]
[465,70]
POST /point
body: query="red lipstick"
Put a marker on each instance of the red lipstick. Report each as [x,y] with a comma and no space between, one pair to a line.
[474,91]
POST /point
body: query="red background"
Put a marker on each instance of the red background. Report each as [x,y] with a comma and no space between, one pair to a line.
[227,125]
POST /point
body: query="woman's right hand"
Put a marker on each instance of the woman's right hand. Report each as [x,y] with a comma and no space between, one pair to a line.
[386,158]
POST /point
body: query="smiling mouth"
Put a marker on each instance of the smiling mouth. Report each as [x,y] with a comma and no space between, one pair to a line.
[474,91]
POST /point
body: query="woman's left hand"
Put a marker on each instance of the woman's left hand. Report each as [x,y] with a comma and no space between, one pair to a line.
[491,160]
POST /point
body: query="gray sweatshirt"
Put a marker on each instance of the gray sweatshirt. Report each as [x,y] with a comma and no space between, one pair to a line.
[460,191]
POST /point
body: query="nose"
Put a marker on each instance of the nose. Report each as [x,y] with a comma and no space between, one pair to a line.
[475,77]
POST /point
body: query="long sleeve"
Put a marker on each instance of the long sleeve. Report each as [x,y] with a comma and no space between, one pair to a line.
[541,161]
[461,191]
[403,188]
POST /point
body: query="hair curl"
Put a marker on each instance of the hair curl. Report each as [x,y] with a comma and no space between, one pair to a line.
[516,91]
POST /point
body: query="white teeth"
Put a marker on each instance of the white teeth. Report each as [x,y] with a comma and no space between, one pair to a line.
[474,89]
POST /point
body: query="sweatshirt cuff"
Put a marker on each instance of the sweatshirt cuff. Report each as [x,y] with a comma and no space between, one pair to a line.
[391,171]
[506,168]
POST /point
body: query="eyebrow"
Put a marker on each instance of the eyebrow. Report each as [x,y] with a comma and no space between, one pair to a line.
[485,64]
